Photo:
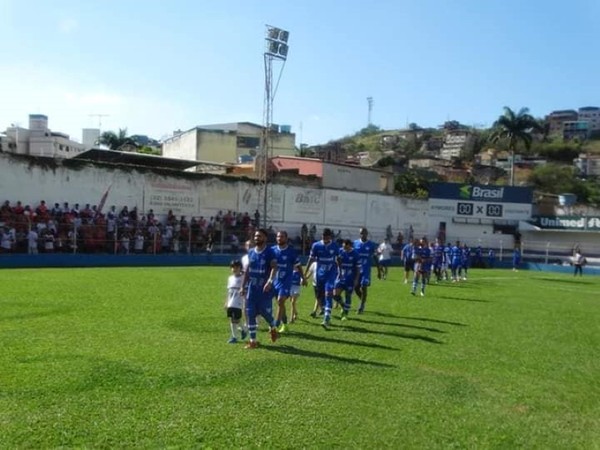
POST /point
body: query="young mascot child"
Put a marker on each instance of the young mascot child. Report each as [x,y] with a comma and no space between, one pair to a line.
[235,302]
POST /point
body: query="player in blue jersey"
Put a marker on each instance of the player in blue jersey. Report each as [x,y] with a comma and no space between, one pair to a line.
[349,275]
[407,258]
[455,261]
[516,258]
[422,266]
[366,251]
[287,259]
[258,284]
[447,261]
[325,253]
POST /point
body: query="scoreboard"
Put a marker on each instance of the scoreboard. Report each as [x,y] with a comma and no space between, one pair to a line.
[448,200]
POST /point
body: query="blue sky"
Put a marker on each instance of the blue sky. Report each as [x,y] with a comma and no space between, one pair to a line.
[156,66]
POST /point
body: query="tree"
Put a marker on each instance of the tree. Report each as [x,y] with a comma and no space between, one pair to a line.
[115,141]
[515,128]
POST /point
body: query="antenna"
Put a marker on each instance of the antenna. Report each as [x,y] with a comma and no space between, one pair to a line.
[99,116]
[370,103]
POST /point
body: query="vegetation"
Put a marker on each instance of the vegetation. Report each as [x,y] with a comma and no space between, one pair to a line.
[116,141]
[514,128]
[558,179]
[137,358]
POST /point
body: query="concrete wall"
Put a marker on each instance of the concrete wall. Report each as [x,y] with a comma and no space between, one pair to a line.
[216,146]
[182,146]
[339,176]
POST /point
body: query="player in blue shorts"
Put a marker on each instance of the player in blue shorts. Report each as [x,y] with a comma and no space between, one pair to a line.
[455,261]
[438,260]
[422,266]
[258,284]
[516,258]
[349,275]
[366,251]
[287,259]
[325,253]
[465,260]
[407,258]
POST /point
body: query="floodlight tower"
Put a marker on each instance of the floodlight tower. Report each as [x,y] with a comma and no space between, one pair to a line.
[276,50]
[370,103]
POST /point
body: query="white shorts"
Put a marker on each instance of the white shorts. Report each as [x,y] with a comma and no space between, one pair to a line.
[295,290]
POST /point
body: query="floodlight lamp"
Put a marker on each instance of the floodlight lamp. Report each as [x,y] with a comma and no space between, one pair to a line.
[273,33]
[273,47]
[284,35]
[283,50]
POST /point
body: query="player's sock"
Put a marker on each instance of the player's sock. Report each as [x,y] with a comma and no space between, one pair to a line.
[233,327]
[348,302]
[414,285]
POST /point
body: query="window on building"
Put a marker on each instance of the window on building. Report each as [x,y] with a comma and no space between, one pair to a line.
[248,142]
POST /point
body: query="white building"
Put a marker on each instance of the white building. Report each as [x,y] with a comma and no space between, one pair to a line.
[90,137]
[455,144]
[588,165]
[39,140]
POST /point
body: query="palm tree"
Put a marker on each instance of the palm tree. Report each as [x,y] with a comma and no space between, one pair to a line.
[115,141]
[515,128]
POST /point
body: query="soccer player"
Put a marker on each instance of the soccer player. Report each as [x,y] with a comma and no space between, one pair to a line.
[234,301]
[257,285]
[287,259]
[325,253]
[366,251]
[311,271]
[407,258]
[385,258]
[438,260]
[349,275]
[422,266]
[455,261]
[516,259]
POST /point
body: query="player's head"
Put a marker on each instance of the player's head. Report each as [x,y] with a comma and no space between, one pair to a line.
[260,237]
[327,235]
[347,245]
[282,238]
[364,234]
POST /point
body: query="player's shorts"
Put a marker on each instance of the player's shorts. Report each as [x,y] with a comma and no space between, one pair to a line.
[385,262]
[234,313]
[326,285]
[365,279]
[259,303]
[345,283]
[282,290]
[409,264]
[295,290]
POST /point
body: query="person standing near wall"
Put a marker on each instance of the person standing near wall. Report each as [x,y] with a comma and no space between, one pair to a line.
[578,262]
[366,251]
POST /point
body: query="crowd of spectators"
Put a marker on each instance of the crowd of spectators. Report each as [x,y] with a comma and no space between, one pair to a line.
[73,229]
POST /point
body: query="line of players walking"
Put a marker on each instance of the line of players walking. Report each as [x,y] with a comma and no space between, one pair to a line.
[424,259]
[268,272]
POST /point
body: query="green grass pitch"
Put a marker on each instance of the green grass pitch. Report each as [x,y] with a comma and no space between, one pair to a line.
[137,357]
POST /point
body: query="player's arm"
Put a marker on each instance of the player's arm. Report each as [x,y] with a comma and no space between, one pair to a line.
[272,274]
[307,273]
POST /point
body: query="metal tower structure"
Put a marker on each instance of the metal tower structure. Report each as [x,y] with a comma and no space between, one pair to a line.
[370,103]
[276,50]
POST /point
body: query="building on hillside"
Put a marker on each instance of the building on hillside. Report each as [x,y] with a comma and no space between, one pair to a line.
[335,175]
[588,165]
[39,140]
[456,143]
[333,152]
[556,119]
[576,129]
[591,115]
[228,142]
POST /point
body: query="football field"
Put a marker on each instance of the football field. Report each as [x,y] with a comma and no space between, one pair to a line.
[138,357]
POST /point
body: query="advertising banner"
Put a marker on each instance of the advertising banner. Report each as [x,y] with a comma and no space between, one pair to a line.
[481,193]
[579,223]
[303,205]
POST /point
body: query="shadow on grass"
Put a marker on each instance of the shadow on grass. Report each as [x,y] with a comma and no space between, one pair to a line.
[477,300]
[416,337]
[574,280]
[290,350]
[320,338]
[422,319]
[34,315]
[403,325]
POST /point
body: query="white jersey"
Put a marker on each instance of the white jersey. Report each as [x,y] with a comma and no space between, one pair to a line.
[385,251]
[234,297]
[312,272]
